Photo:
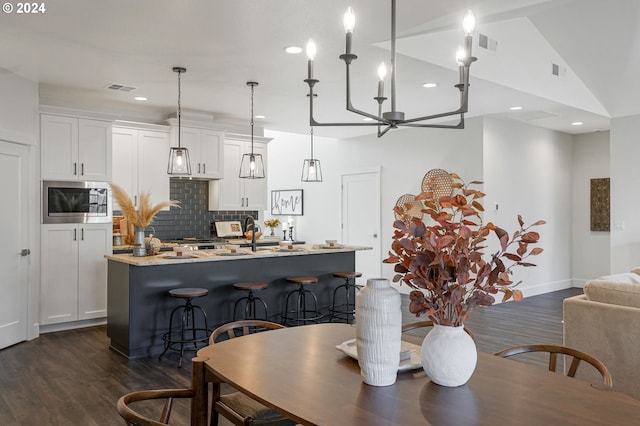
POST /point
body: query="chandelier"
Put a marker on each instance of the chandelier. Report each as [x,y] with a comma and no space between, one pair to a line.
[393,119]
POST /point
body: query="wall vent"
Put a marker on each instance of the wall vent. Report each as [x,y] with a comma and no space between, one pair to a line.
[120,87]
[487,43]
[558,70]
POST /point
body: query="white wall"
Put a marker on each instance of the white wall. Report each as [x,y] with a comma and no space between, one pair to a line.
[528,171]
[625,203]
[590,251]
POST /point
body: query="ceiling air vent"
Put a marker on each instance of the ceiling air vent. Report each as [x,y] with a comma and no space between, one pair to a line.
[120,87]
[487,43]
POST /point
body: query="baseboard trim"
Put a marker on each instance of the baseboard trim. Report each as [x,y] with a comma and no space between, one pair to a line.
[52,328]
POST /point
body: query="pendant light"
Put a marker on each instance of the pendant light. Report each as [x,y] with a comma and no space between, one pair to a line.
[311,171]
[179,164]
[252,166]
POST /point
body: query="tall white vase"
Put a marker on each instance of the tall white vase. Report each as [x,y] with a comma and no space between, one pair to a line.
[449,355]
[378,332]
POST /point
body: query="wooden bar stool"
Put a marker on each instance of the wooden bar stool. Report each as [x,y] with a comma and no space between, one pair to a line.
[186,331]
[347,309]
[302,312]
[250,300]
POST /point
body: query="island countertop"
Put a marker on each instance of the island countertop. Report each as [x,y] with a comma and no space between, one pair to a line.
[214,255]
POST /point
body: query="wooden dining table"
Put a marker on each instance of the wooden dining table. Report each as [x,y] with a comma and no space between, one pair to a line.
[299,372]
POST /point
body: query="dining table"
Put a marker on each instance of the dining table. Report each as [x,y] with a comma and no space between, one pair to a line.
[299,373]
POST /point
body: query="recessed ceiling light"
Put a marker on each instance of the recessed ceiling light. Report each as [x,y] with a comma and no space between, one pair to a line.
[294,50]
[577,123]
[515,108]
[140,98]
[430,85]
[260,117]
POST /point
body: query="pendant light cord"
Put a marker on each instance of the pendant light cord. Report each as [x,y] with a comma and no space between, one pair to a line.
[311,142]
[252,86]
[179,107]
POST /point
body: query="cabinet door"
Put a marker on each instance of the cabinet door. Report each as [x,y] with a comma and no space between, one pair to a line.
[59,273]
[153,156]
[125,162]
[231,190]
[212,154]
[94,241]
[255,190]
[94,150]
[59,147]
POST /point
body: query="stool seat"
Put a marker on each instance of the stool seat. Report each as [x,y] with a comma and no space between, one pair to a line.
[250,286]
[188,293]
[347,274]
[303,301]
[344,309]
[303,280]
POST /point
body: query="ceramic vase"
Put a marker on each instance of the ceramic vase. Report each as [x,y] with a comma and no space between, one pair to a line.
[139,248]
[449,355]
[378,332]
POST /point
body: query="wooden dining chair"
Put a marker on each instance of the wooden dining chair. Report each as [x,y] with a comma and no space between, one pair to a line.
[553,351]
[136,418]
[238,408]
[428,323]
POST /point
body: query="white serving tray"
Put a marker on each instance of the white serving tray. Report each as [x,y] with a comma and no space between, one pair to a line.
[411,363]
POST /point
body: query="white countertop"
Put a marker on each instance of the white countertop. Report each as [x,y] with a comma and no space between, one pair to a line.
[166,258]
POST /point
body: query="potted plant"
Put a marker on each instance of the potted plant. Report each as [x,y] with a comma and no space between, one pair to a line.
[271,224]
[445,264]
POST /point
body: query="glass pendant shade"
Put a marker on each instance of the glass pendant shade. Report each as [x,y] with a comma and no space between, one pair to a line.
[311,170]
[252,166]
[179,163]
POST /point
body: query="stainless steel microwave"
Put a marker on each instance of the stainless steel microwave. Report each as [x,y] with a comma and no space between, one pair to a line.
[76,202]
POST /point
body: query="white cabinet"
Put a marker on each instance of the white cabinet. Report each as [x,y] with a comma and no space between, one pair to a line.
[232,192]
[75,148]
[205,149]
[74,272]
[140,157]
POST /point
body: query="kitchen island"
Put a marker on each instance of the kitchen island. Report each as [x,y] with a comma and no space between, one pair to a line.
[138,304]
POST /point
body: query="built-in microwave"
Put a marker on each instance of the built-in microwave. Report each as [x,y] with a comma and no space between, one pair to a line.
[76,202]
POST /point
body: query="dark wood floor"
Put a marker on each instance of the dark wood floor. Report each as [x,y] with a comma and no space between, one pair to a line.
[72,378]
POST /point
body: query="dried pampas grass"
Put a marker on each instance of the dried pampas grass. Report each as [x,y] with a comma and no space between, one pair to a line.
[144,215]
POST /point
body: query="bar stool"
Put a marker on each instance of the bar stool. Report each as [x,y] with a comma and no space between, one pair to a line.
[302,313]
[344,310]
[250,300]
[185,331]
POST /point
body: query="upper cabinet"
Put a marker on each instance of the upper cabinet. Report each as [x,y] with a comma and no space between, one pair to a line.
[140,156]
[75,148]
[205,149]
[232,192]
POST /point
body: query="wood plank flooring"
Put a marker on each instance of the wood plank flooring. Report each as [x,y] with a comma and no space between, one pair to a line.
[72,378]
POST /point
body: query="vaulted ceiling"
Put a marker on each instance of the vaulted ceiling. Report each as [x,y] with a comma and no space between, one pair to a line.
[77,48]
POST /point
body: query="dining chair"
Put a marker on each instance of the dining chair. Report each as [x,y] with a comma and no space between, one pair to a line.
[238,408]
[136,418]
[553,351]
[428,323]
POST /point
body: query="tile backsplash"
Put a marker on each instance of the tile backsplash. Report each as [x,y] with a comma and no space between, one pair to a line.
[192,218]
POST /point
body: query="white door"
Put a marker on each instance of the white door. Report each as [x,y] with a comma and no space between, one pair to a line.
[14,226]
[361,220]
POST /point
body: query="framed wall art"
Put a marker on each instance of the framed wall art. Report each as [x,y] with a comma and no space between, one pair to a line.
[287,202]
[600,208]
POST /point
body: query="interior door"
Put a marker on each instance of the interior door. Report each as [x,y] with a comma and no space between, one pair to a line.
[13,263]
[361,220]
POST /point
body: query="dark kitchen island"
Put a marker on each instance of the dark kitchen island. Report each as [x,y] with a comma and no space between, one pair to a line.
[139,305]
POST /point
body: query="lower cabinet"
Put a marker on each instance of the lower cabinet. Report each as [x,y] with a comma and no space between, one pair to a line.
[73,272]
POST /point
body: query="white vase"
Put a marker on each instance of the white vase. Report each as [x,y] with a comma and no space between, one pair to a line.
[378,332]
[449,355]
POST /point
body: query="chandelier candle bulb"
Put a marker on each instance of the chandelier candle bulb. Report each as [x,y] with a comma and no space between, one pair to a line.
[311,54]
[382,73]
[349,22]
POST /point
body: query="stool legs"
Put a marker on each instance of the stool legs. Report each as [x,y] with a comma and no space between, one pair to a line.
[250,307]
[301,315]
[347,309]
[178,335]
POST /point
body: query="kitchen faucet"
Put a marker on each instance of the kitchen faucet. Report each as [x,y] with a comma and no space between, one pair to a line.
[254,245]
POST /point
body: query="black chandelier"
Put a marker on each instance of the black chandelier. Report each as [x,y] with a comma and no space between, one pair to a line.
[393,119]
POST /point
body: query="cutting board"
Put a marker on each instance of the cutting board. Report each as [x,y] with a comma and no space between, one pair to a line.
[228,228]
